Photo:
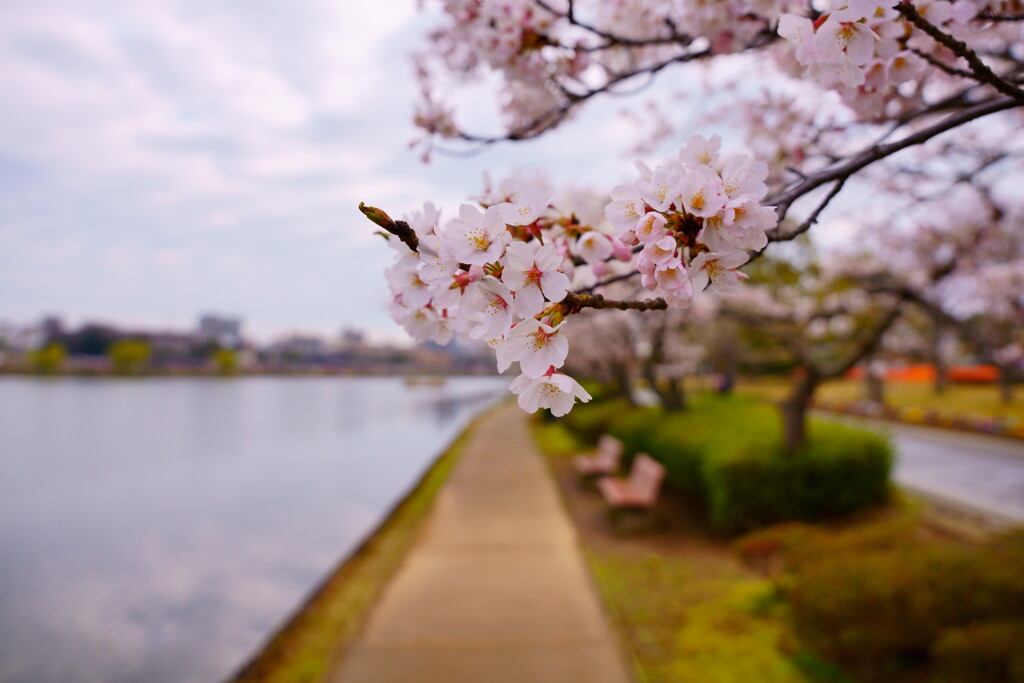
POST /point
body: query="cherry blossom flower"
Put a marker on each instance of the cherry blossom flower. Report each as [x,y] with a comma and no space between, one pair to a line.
[840,38]
[702,192]
[495,317]
[625,209]
[404,279]
[423,323]
[593,247]
[672,276]
[717,270]
[799,31]
[424,222]
[651,227]
[537,347]
[662,190]
[699,151]
[533,274]
[554,391]
[529,205]
[660,252]
[475,238]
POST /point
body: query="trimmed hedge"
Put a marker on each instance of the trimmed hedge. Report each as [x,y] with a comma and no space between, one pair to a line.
[839,470]
[727,452]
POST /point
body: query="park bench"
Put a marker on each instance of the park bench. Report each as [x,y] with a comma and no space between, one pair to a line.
[638,491]
[604,462]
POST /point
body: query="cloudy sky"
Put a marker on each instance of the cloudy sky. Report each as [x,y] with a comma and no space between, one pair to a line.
[162,159]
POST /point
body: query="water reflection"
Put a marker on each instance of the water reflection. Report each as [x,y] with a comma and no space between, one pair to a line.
[158,529]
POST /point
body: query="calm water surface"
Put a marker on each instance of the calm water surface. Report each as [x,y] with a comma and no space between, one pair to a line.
[160,529]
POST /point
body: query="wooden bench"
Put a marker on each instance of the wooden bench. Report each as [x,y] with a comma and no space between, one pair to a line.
[604,462]
[638,491]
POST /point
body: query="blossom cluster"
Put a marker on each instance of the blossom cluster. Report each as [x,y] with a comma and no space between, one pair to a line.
[550,57]
[864,50]
[693,220]
[488,275]
[501,271]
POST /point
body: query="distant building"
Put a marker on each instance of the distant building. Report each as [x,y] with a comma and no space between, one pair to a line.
[171,345]
[225,332]
[53,328]
[299,348]
[351,337]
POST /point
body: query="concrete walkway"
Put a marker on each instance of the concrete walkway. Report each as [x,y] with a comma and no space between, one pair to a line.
[496,588]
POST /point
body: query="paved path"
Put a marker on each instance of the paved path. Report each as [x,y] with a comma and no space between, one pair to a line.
[496,589]
[981,473]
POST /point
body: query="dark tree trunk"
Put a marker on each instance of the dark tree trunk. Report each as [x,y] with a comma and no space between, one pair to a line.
[673,396]
[875,384]
[670,392]
[941,380]
[1006,384]
[795,406]
[622,380]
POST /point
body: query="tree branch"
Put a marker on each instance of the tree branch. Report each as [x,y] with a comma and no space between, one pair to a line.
[774,236]
[959,48]
[608,281]
[575,302]
[867,346]
[614,40]
[875,153]
[552,117]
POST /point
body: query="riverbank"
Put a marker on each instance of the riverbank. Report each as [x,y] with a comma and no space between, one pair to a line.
[306,648]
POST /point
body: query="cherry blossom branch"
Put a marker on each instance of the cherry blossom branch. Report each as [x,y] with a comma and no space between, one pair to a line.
[812,219]
[609,281]
[575,302]
[874,153]
[614,40]
[988,15]
[399,229]
[942,66]
[552,117]
[960,49]
[867,346]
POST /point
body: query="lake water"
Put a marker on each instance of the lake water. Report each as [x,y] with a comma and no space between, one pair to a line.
[160,529]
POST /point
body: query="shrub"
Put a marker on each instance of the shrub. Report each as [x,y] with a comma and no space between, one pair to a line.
[877,610]
[590,420]
[634,429]
[726,452]
[870,610]
[984,653]
[838,471]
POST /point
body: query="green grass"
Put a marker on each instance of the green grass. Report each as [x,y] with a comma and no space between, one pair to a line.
[696,619]
[694,616]
[307,648]
[966,399]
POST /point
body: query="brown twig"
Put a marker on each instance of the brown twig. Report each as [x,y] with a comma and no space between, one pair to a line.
[399,229]
[575,302]
[874,153]
[776,236]
[980,70]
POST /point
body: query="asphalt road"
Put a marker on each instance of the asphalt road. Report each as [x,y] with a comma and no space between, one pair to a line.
[984,474]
